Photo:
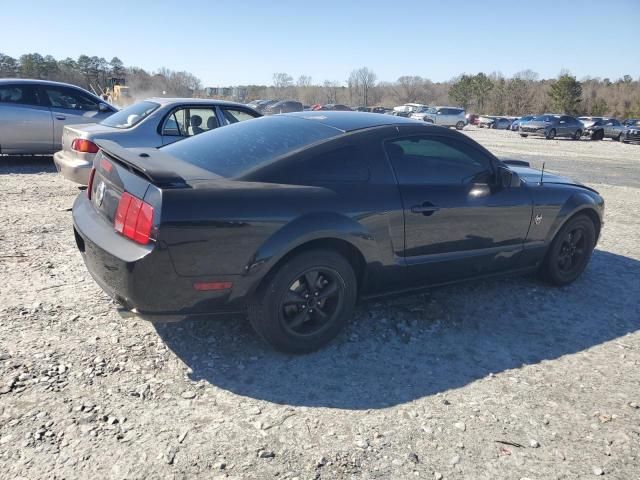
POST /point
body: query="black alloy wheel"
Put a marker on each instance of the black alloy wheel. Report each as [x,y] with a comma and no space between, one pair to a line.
[312,301]
[570,251]
[305,302]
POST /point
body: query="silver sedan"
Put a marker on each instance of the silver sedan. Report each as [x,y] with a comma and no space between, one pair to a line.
[151,123]
[34,112]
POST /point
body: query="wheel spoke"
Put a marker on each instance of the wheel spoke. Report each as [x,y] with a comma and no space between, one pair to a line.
[311,278]
[293,297]
[299,319]
[320,314]
[328,291]
[576,237]
[568,263]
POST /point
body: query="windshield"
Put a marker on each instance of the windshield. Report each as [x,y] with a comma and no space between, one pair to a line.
[234,150]
[130,116]
[545,118]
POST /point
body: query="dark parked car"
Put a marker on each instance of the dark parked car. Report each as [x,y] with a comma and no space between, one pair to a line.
[631,133]
[598,128]
[292,218]
[501,123]
[551,126]
[630,121]
[335,107]
[261,105]
[285,106]
[520,121]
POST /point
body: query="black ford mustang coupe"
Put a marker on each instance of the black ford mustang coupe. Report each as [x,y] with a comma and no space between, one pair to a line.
[292,218]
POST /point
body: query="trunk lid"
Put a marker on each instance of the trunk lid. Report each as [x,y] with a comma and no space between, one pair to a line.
[87,130]
[142,172]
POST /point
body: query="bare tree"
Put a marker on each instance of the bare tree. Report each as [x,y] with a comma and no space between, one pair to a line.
[282,80]
[361,82]
[304,81]
[331,91]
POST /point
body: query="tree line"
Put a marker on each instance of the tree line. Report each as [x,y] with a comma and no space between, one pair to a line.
[481,93]
[490,94]
[92,73]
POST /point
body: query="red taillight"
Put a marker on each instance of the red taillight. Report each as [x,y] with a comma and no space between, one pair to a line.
[204,286]
[134,219]
[84,146]
[90,186]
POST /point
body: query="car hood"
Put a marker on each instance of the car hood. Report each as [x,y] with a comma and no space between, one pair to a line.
[532,177]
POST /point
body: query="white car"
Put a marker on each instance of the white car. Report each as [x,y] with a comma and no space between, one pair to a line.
[445,116]
[409,107]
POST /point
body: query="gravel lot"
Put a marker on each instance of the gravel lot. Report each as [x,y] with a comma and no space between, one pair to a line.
[504,379]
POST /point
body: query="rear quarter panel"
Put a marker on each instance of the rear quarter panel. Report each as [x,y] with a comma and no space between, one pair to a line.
[245,228]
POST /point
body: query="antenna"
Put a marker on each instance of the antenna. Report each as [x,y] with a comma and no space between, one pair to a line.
[542,173]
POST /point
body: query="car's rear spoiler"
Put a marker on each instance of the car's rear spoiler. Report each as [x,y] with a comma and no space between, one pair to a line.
[517,163]
[150,163]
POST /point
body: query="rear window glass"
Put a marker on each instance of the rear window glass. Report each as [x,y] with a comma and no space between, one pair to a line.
[234,150]
[130,116]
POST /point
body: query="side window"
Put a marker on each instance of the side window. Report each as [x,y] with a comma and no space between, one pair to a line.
[187,122]
[19,94]
[234,116]
[70,99]
[339,165]
[437,161]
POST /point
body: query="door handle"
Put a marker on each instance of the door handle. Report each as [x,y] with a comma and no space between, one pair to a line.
[61,117]
[426,209]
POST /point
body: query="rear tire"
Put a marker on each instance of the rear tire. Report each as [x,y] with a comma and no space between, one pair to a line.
[569,252]
[524,135]
[306,302]
[459,125]
[618,138]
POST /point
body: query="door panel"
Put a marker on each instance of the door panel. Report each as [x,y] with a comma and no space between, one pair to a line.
[457,224]
[70,106]
[25,129]
[25,125]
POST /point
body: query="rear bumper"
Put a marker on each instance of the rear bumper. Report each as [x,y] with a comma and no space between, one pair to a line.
[142,278]
[72,167]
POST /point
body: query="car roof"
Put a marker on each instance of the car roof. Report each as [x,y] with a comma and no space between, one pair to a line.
[349,121]
[204,101]
[33,81]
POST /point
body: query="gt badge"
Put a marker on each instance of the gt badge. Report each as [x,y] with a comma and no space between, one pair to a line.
[538,219]
[100,193]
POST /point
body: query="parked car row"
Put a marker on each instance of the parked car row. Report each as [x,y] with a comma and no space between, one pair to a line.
[551,125]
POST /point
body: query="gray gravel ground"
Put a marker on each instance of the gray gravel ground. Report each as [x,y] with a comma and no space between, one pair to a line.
[504,379]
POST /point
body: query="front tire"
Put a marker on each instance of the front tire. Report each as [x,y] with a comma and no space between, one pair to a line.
[551,134]
[524,135]
[459,125]
[306,303]
[570,251]
[577,134]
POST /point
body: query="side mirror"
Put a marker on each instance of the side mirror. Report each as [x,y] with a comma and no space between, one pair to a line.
[103,107]
[508,178]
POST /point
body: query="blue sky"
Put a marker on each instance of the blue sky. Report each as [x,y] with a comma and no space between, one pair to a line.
[241,42]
